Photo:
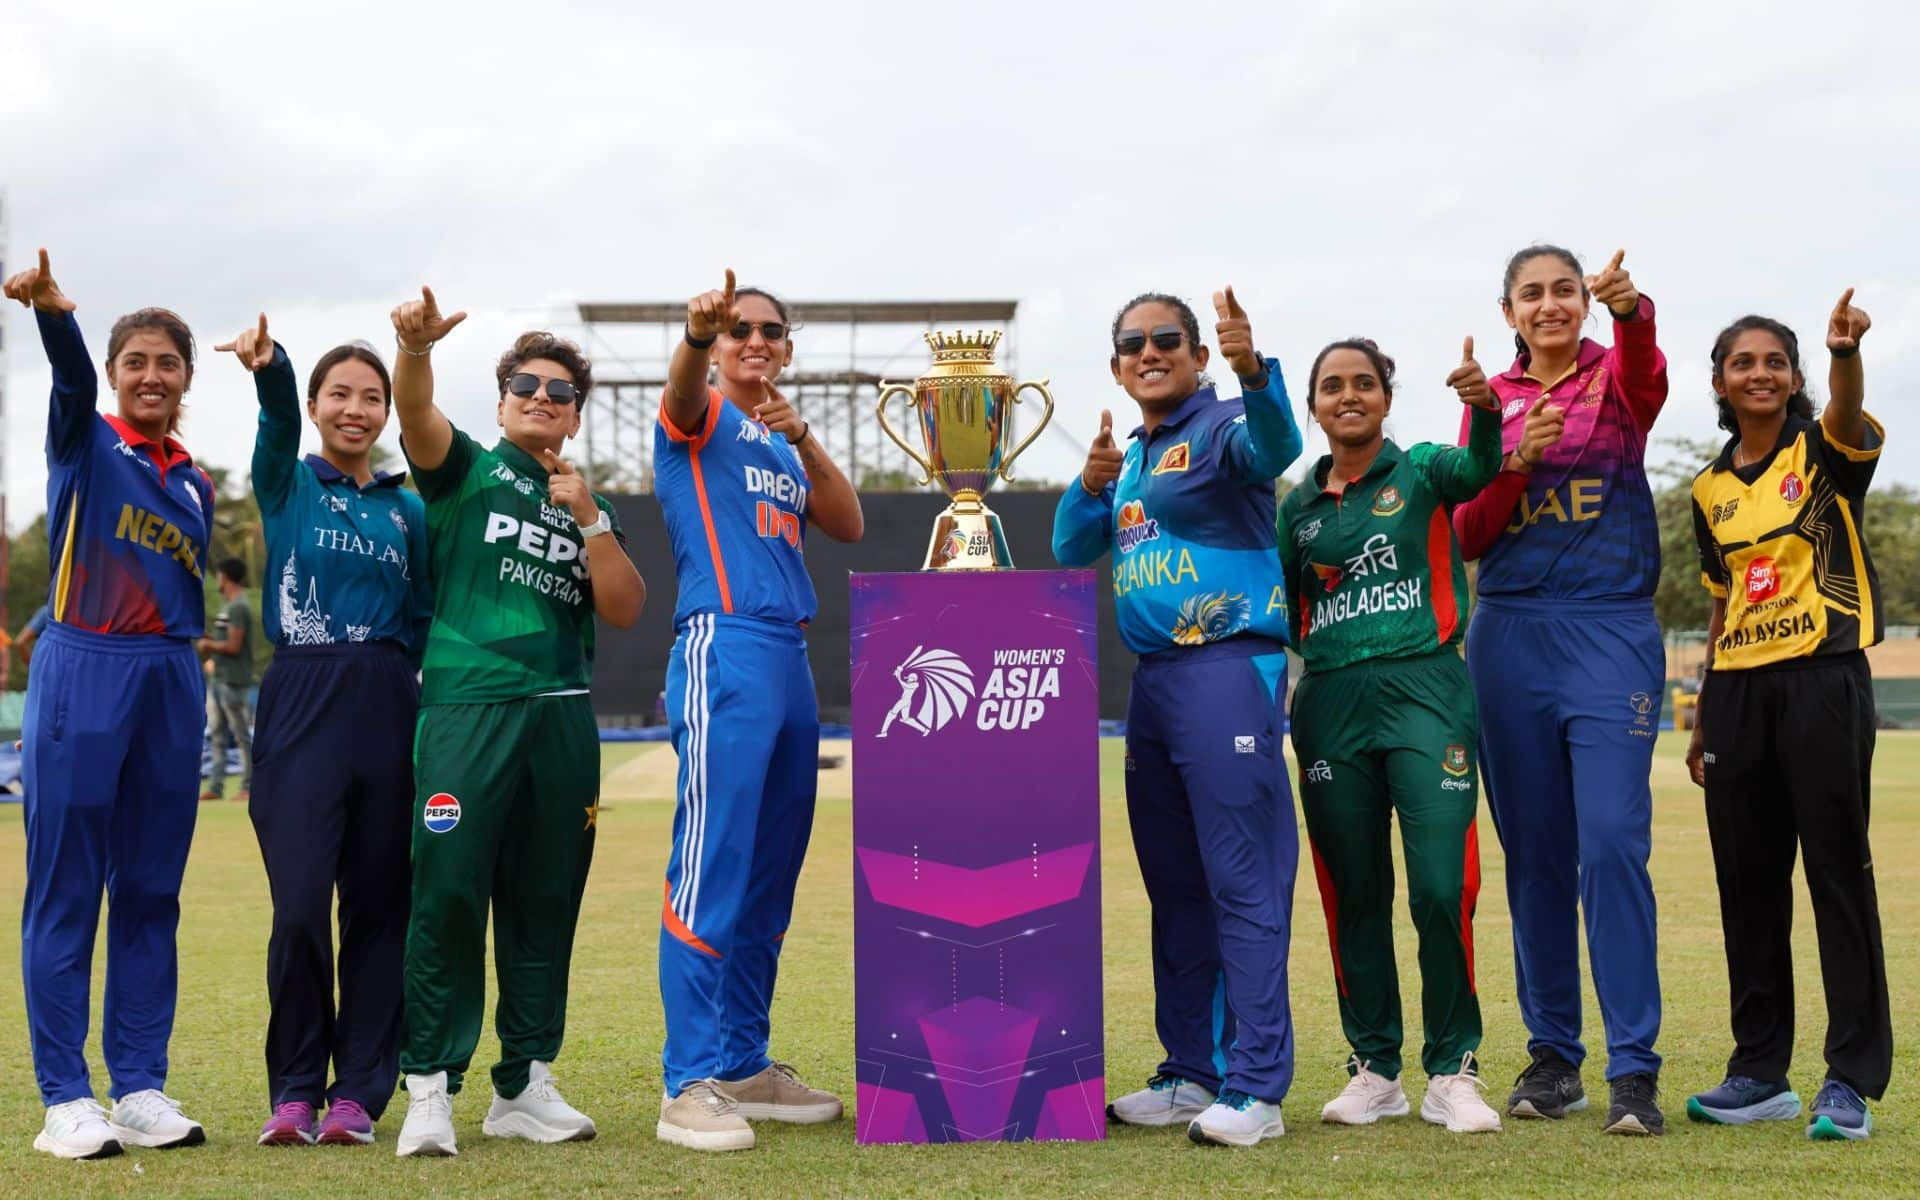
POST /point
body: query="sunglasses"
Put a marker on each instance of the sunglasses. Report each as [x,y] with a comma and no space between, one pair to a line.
[526,384]
[773,331]
[1166,338]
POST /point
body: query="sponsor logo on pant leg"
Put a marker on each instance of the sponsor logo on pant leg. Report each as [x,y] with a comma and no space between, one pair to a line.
[442,813]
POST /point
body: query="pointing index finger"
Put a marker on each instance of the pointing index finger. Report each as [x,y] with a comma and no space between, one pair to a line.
[1613,264]
[727,292]
[1233,304]
[1846,299]
[426,296]
[44,268]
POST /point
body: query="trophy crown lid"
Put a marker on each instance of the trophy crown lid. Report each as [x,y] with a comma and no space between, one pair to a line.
[960,346]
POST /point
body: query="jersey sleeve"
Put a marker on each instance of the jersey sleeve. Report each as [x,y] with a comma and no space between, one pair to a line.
[444,479]
[698,440]
[76,389]
[1852,467]
[1082,525]
[1259,448]
[276,441]
[1713,566]
[1290,566]
[1636,366]
[1459,473]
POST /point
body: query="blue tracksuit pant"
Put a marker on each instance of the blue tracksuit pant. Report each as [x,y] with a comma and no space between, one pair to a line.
[332,806]
[1214,828]
[746,726]
[111,764]
[1569,698]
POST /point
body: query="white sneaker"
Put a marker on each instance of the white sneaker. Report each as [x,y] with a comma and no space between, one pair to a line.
[1455,1101]
[77,1129]
[1366,1099]
[153,1119]
[538,1114]
[1237,1119]
[1166,1100]
[428,1129]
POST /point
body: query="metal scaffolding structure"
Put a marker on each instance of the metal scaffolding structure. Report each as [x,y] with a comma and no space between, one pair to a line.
[842,351]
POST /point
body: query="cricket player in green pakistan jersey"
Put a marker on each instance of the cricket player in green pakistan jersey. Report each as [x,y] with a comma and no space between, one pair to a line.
[1384,724]
[507,753]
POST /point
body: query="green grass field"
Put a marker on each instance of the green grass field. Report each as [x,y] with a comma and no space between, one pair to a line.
[611,1064]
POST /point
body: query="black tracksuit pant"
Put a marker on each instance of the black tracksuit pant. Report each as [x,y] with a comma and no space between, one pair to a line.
[1789,755]
[332,806]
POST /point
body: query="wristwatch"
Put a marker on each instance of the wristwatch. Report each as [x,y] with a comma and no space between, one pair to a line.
[603,525]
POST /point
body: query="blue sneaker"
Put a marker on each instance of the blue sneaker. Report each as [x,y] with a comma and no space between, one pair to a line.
[1742,1101]
[1839,1114]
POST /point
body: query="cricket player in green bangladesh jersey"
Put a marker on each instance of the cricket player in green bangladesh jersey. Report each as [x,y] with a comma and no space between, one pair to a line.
[507,754]
[1384,723]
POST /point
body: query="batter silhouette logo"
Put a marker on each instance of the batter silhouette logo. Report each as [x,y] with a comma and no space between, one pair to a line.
[442,813]
[935,687]
[1791,489]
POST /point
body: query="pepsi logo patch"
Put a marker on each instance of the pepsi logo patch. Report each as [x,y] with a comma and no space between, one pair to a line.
[1791,489]
[442,813]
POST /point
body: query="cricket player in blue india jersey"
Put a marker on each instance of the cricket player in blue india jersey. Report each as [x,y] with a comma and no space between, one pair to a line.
[740,477]
[111,735]
[1187,512]
[348,610]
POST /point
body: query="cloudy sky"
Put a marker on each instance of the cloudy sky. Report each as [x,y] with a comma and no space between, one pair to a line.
[1352,168]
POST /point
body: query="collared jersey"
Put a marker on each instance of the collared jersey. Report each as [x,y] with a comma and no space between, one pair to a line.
[1189,522]
[344,563]
[1585,528]
[734,496]
[1780,542]
[128,521]
[1375,571]
[512,599]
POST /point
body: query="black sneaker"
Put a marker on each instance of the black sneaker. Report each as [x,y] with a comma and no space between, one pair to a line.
[1633,1110]
[1550,1087]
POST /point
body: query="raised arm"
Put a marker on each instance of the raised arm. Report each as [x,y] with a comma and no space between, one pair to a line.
[425,432]
[76,389]
[1270,439]
[1479,522]
[1083,520]
[419,580]
[1459,473]
[686,400]
[832,505]
[276,441]
[618,591]
[1639,370]
[1845,416]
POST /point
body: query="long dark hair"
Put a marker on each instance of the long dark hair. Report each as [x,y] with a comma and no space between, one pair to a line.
[1799,404]
[1382,365]
[357,352]
[1520,259]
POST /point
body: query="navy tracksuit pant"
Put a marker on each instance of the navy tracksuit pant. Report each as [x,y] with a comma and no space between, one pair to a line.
[1213,825]
[333,806]
[111,763]
[1569,695]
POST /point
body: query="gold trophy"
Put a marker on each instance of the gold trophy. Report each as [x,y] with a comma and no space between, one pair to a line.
[963,402]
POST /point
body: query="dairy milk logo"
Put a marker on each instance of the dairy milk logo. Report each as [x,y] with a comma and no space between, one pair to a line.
[1135,526]
[442,813]
[935,687]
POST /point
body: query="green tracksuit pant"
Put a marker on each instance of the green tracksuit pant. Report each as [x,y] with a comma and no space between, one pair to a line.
[1380,737]
[506,800]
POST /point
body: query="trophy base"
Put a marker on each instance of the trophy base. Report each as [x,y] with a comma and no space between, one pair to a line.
[968,538]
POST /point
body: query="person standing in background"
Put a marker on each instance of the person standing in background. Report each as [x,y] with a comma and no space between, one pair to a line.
[229,700]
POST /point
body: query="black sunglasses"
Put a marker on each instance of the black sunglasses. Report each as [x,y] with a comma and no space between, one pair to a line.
[773,331]
[526,383]
[1166,338]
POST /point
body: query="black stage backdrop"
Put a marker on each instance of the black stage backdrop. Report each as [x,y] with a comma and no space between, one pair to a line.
[630,669]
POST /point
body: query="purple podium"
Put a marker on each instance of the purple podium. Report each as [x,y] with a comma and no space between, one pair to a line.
[976,833]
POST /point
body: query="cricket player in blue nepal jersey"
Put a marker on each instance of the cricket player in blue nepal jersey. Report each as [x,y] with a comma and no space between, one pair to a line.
[348,611]
[113,722]
[740,477]
[1187,512]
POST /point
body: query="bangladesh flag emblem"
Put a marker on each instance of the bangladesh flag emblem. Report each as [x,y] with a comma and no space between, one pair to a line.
[1455,762]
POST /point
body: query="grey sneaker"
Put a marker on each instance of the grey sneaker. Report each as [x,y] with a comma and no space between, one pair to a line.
[1166,1100]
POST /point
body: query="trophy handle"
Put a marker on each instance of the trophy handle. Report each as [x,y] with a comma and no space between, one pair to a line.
[887,392]
[1006,464]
